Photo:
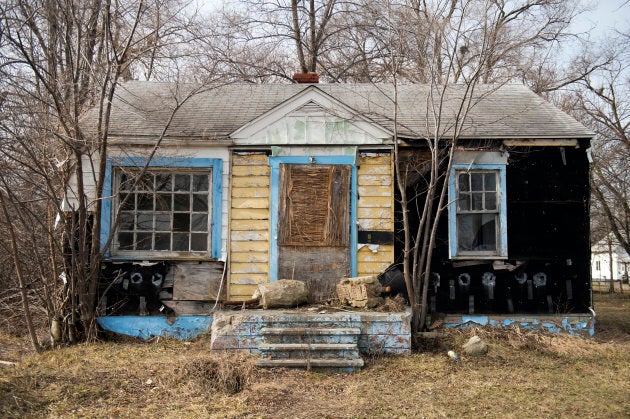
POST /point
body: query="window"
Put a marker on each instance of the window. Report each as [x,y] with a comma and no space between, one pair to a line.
[165,210]
[172,211]
[597,266]
[477,213]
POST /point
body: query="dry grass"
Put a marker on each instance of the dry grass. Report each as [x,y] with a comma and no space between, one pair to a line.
[525,374]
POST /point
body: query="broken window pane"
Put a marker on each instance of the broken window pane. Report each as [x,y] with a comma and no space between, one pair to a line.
[181,222]
[182,202]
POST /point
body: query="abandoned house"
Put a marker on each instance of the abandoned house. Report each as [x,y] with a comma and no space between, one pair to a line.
[254,183]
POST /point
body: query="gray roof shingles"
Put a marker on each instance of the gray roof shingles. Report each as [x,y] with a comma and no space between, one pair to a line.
[509,111]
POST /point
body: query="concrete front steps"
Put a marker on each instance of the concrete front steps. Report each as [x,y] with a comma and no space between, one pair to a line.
[311,347]
[304,339]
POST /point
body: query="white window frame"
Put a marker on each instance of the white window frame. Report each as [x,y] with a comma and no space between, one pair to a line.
[501,227]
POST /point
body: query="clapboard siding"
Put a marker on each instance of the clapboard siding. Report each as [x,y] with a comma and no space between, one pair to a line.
[249,224]
[375,210]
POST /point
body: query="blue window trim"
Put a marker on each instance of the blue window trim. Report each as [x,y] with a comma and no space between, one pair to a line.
[217,192]
[452,210]
[274,163]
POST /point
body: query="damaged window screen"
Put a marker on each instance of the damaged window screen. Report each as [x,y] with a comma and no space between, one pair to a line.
[163,210]
[477,211]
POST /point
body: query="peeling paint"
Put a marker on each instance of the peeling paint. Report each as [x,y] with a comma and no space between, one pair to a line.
[145,327]
[381,333]
[583,325]
[373,247]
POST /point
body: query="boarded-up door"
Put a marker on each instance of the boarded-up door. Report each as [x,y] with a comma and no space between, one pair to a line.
[314,226]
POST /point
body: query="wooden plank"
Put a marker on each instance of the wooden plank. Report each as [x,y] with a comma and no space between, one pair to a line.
[250,170]
[250,182]
[250,214]
[374,191]
[197,281]
[385,253]
[376,202]
[382,213]
[257,278]
[238,292]
[375,180]
[249,268]
[247,159]
[250,203]
[251,257]
[371,268]
[370,160]
[259,235]
[249,246]
[376,169]
[250,192]
[376,224]
[249,225]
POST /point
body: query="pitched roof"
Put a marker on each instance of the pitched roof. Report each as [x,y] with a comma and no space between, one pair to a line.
[509,111]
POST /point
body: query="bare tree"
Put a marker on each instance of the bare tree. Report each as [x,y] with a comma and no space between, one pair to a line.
[600,100]
[59,61]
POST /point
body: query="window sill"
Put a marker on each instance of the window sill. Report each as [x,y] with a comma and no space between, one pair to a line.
[159,257]
[478,257]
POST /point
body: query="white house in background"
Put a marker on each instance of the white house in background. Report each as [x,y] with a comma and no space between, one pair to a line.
[601,254]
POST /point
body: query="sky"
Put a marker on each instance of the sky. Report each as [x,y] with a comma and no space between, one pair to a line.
[604,18]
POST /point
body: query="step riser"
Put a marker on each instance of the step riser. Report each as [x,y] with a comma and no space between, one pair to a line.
[313,324]
[312,354]
[351,364]
[345,339]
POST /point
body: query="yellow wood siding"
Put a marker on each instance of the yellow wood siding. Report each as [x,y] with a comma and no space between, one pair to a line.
[249,225]
[375,210]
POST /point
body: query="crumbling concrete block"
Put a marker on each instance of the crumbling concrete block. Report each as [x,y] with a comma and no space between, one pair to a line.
[362,291]
[281,293]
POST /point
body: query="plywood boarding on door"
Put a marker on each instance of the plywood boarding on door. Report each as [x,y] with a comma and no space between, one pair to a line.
[375,210]
[249,224]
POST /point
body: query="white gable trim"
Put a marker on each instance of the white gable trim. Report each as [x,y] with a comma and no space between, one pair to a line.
[329,107]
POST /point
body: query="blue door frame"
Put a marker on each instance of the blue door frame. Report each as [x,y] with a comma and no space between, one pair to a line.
[274,163]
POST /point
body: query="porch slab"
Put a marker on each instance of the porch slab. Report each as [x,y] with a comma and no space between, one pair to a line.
[380,333]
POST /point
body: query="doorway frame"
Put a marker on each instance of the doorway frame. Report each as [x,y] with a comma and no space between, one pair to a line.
[274,164]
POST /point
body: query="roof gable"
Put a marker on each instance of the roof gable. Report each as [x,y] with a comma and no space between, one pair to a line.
[311,117]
